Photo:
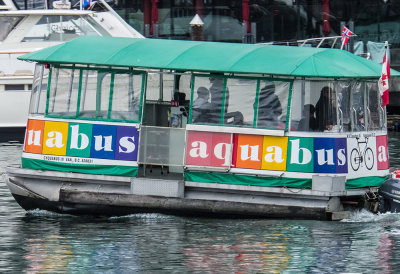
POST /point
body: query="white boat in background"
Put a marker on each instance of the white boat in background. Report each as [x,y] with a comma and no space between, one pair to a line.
[23,31]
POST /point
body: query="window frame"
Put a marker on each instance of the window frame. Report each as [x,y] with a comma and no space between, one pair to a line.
[110,97]
[364,89]
[256,78]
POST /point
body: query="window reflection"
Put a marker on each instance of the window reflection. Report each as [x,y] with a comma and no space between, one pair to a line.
[8,23]
[64,92]
[100,94]
[339,106]
[272,103]
[126,96]
[59,28]
[39,90]
[242,95]
[242,101]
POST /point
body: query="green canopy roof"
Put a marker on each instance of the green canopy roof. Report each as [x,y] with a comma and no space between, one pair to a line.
[209,56]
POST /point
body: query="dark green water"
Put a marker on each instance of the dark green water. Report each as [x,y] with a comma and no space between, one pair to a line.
[43,242]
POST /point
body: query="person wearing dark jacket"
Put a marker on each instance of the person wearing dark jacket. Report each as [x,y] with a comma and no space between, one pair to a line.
[201,106]
[216,94]
[325,109]
[269,107]
[308,121]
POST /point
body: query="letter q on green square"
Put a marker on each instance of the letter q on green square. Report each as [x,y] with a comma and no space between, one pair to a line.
[79,140]
[300,154]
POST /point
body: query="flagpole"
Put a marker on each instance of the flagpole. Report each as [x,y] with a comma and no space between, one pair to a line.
[386,51]
[387,73]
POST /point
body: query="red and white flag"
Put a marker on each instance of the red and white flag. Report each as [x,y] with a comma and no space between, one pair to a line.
[346,33]
[383,83]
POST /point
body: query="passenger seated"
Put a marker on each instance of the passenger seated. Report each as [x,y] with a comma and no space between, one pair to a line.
[216,94]
[308,121]
[234,118]
[325,109]
[360,121]
[269,107]
[201,106]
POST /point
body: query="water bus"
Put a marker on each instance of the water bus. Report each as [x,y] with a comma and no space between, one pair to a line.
[23,31]
[189,127]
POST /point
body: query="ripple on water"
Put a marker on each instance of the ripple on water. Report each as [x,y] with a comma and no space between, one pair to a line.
[41,212]
[43,241]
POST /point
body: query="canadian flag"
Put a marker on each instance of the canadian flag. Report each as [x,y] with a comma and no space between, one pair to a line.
[383,82]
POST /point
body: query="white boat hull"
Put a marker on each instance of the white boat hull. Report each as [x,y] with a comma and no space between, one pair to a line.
[14,106]
[112,195]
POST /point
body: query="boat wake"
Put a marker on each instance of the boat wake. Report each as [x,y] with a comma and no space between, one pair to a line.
[42,212]
[143,216]
[365,216]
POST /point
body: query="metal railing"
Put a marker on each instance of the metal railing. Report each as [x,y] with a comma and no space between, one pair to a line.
[318,42]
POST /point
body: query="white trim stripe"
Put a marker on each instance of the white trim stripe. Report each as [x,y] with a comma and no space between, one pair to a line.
[77,160]
[224,129]
[77,121]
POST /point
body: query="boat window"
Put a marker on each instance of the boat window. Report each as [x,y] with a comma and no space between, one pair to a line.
[92,26]
[237,101]
[153,86]
[18,87]
[101,95]
[160,87]
[95,94]
[240,95]
[164,87]
[58,28]
[343,89]
[336,106]
[357,108]
[39,90]
[8,23]
[126,96]
[375,112]
[366,110]
[64,92]
[103,100]
[168,87]
[184,85]
[272,104]
[208,100]
[87,106]
[314,106]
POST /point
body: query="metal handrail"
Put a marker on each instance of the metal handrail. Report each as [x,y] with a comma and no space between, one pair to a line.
[303,42]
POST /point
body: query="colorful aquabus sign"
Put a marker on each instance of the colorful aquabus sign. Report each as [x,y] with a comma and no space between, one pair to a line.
[81,144]
[294,154]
